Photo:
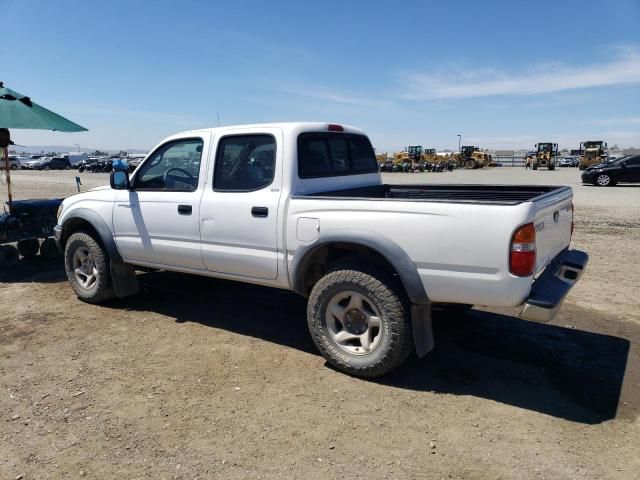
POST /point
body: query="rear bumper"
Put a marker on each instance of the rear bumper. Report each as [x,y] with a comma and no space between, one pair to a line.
[550,289]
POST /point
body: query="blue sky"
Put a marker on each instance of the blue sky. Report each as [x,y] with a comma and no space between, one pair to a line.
[503,74]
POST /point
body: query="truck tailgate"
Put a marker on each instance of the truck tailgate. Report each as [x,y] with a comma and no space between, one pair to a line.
[553,223]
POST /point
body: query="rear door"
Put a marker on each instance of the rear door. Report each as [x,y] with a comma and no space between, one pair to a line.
[239,206]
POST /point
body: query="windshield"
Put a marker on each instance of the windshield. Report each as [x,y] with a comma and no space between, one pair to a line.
[621,159]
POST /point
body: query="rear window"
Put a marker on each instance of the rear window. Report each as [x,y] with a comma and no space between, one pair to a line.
[334,154]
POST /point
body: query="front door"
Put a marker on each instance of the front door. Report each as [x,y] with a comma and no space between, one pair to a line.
[158,221]
[239,206]
[631,170]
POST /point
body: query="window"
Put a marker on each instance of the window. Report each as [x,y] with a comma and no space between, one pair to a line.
[632,161]
[244,163]
[334,154]
[175,166]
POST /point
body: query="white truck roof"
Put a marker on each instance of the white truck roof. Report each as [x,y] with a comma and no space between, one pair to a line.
[287,127]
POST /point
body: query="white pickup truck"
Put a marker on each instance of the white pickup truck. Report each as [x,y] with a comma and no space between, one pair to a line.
[301,206]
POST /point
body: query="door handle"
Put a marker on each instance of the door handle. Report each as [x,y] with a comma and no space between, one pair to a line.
[184,209]
[260,211]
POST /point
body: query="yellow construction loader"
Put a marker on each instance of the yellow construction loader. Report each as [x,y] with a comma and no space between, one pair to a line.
[545,157]
[430,155]
[592,152]
[471,157]
[403,161]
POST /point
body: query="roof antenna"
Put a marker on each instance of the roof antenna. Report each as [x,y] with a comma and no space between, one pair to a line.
[218,115]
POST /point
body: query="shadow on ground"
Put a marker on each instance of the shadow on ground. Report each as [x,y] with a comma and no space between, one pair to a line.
[37,269]
[567,373]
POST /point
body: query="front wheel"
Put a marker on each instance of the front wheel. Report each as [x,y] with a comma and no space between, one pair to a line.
[359,320]
[470,164]
[87,268]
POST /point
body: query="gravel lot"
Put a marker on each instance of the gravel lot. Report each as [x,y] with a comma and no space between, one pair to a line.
[201,378]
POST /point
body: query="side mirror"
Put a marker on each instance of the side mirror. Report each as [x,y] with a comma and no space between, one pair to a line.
[119,180]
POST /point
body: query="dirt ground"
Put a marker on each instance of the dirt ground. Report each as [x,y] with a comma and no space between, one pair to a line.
[202,378]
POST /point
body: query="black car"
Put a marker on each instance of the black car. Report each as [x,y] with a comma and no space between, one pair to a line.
[624,169]
[56,163]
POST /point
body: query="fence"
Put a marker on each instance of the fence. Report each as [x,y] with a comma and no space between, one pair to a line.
[513,160]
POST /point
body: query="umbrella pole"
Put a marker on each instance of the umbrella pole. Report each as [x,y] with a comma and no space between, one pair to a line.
[8,170]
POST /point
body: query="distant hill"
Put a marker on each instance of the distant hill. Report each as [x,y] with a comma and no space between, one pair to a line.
[68,148]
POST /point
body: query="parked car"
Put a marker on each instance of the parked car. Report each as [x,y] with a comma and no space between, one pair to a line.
[624,169]
[55,163]
[14,163]
[34,163]
[569,162]
[302,207]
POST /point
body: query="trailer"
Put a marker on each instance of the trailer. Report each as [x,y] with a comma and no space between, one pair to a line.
[28,224]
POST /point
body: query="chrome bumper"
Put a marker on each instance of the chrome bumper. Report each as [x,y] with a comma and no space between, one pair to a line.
[550,289]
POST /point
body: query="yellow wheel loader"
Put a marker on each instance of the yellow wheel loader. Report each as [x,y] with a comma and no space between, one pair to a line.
[592,152]
[471,158]
[545,157]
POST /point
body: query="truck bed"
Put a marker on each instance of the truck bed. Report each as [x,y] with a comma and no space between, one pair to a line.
[489,194]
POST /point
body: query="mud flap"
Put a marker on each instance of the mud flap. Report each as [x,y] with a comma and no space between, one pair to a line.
[123,279]
[422,329]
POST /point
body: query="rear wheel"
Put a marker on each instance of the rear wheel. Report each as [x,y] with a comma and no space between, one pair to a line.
[87,268]
[28,248]
[8,256]
[604,180]
[359,320]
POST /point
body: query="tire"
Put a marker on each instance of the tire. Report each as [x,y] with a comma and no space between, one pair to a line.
[14,167]
[82,252]
[49,250]
[535,167]
[67,167]
[604,180]
[8,256]
[470,164]
[382,297]
[47,168]
[28,248]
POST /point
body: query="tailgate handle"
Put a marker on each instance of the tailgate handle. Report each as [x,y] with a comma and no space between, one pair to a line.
[260,211]
[184,209]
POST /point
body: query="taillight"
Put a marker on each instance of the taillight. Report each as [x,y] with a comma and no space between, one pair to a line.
[332,127]
[522,257]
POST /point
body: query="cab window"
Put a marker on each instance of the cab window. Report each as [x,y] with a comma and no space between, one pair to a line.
[174,167]
[334,154]
[244,163]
